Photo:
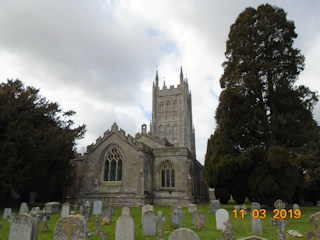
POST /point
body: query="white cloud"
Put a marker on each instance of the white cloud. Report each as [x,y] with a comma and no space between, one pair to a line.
[99,57]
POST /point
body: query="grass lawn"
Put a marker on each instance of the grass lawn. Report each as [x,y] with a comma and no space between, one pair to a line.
[241,227]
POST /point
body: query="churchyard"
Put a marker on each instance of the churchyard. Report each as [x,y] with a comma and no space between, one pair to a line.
[201,219]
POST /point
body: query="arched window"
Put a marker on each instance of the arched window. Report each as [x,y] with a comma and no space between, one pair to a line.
[113,165]
[167,175]
[175,133]
[168,110]
[175,109]
[161,110]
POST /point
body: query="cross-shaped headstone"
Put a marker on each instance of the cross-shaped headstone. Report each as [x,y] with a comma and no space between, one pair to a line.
[180,215]
[160,221]
[280,222]
[228,233]
[98,231]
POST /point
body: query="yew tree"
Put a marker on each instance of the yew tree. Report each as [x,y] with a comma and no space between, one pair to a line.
[37,140]
[264,120]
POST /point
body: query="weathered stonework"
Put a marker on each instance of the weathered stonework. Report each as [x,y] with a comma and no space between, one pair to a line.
[158,168]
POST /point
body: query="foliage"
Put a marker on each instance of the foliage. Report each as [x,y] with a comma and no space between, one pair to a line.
[265,127]
[36,142]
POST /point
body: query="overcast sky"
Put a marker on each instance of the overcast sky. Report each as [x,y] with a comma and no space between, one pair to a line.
[99,58]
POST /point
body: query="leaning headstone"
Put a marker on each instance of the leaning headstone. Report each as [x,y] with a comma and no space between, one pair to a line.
[314,220]
[215,206]
[228,233]
[65,209]
[295,206]
[222,216]
[125,225]
[144,209]
[149,224]
[192,208]
[280,222]
[7,212]
[97,207]
[180,215]
[160,221]
[23,208]
[198,219]
[21,228]
[183,234]
[256,224]
[52,207]
[71,228]
[174,216]
[85,210]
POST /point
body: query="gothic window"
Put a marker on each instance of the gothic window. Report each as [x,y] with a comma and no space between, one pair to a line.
[167,175]
[175,109]
[169,132]
[175,133]
[160,131]
[161,110]
[113,165]
[168,110]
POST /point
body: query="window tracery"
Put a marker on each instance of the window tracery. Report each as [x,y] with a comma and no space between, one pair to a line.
[167,175]
[113,165]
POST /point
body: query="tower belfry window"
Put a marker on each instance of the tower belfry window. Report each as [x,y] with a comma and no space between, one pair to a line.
[113,165]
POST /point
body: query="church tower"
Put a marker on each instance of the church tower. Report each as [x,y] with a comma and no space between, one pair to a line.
[172,113]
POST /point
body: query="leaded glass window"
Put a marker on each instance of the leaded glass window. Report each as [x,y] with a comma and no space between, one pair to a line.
[113,165]
[167,175]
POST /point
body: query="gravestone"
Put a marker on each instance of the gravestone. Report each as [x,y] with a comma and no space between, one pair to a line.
[192,208]
[294,233]
[280,222]
[65,209]
[144,209]
[236,207]
[98,231]
[174,216]
[180,215]
[45,218]
[198,219]
[215,206]
[252,238]
[149,224]
[160,221]
[222,216]
[52,207]
[228,233]
[23,208]
[295,207]
[107,214]
[314,220]
[125,225]
[183,234]
[21,228]
[318,203]
[71,228]
[7,212]
[256,224]
[97,207]
[85,210]
[244,208]
[34,211]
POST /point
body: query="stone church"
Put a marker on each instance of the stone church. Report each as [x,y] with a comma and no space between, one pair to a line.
[158,167]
